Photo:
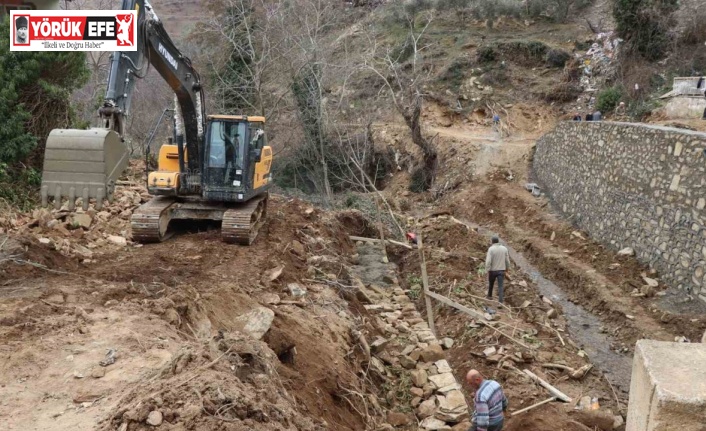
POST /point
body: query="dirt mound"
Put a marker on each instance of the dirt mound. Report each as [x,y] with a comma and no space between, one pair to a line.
[451,234]
[178,315]
[231,382]
[84,235]
[545,418]
[23,256]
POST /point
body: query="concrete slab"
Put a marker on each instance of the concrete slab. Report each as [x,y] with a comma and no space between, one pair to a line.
[668,387]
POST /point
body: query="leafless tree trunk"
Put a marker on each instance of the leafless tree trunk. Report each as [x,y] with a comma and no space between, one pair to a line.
[405,89]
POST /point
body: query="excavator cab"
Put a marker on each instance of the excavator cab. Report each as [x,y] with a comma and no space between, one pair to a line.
[237,160]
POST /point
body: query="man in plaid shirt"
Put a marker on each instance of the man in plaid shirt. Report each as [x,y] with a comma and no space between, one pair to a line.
[490,403]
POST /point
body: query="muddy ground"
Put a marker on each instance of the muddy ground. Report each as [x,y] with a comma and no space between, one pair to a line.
[97,332]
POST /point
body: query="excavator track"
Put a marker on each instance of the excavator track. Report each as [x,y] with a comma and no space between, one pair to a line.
[150,222]
[241,225]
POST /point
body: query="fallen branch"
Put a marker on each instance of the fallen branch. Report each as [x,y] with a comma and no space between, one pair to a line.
[202,369]
[548,400]
[491,300]
[371,183]
[363,342]
[52,304]
[617,401]
[40,266]
[425,284]
[557,333]
[376,240]
[552,390]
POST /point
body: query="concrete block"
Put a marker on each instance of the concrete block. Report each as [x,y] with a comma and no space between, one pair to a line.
[668,387]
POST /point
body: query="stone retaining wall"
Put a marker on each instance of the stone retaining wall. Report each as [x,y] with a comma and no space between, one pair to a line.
[633,185]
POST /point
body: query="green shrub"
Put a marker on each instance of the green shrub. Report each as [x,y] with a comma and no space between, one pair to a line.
[638,110]
[403,51]
[35,95]
[486,54]
[557,58]
[608,99]
[419,182]
[527,53]
[456,72]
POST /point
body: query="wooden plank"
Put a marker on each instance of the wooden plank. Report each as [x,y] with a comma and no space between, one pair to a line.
[391,241]
[548,400]
[475,314]
[457,306]
[425,283]
[360,238]
[552,390]
[380,226]
[401,244]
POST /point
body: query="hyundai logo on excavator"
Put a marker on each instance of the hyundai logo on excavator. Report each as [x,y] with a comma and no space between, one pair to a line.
[167,56]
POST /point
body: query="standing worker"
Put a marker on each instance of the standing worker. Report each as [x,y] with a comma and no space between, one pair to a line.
[490,403]
[497,262]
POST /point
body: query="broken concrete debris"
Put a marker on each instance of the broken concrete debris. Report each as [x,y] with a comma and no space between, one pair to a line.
[296,290]
[110,358]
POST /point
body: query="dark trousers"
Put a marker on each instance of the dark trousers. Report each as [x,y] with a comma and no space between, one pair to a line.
[496,427]
[492,276]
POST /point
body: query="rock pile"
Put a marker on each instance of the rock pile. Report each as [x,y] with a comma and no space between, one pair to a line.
[83,234]
[408,344]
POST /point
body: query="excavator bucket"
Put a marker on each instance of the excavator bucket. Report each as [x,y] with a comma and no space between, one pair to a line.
[82,164]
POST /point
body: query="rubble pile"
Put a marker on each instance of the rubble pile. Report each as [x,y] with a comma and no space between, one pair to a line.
[598,60]
[83,234]
[407,353]
[595,65]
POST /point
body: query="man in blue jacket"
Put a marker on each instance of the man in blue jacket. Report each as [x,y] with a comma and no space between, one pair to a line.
[490,402]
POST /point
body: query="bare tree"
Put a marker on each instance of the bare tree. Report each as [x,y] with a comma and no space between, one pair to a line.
[304,24]
[404,83]
[241,48]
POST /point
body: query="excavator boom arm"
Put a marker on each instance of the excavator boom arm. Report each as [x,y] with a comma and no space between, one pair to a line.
[156,48]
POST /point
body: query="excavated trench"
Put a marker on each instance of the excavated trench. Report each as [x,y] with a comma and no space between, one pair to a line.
[583,325]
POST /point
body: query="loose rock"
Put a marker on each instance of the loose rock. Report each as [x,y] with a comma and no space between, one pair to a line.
[154,418]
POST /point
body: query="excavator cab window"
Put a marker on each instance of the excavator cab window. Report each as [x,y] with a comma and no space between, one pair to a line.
[257,141]
[226,151]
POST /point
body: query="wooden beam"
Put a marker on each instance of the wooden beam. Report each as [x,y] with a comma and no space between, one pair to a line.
[457,306]
[548,400]
[425,283]
[391,241]
[552,390]
[475,314]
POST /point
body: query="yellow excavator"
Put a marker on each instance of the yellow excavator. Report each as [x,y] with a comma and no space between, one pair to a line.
[217,168]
